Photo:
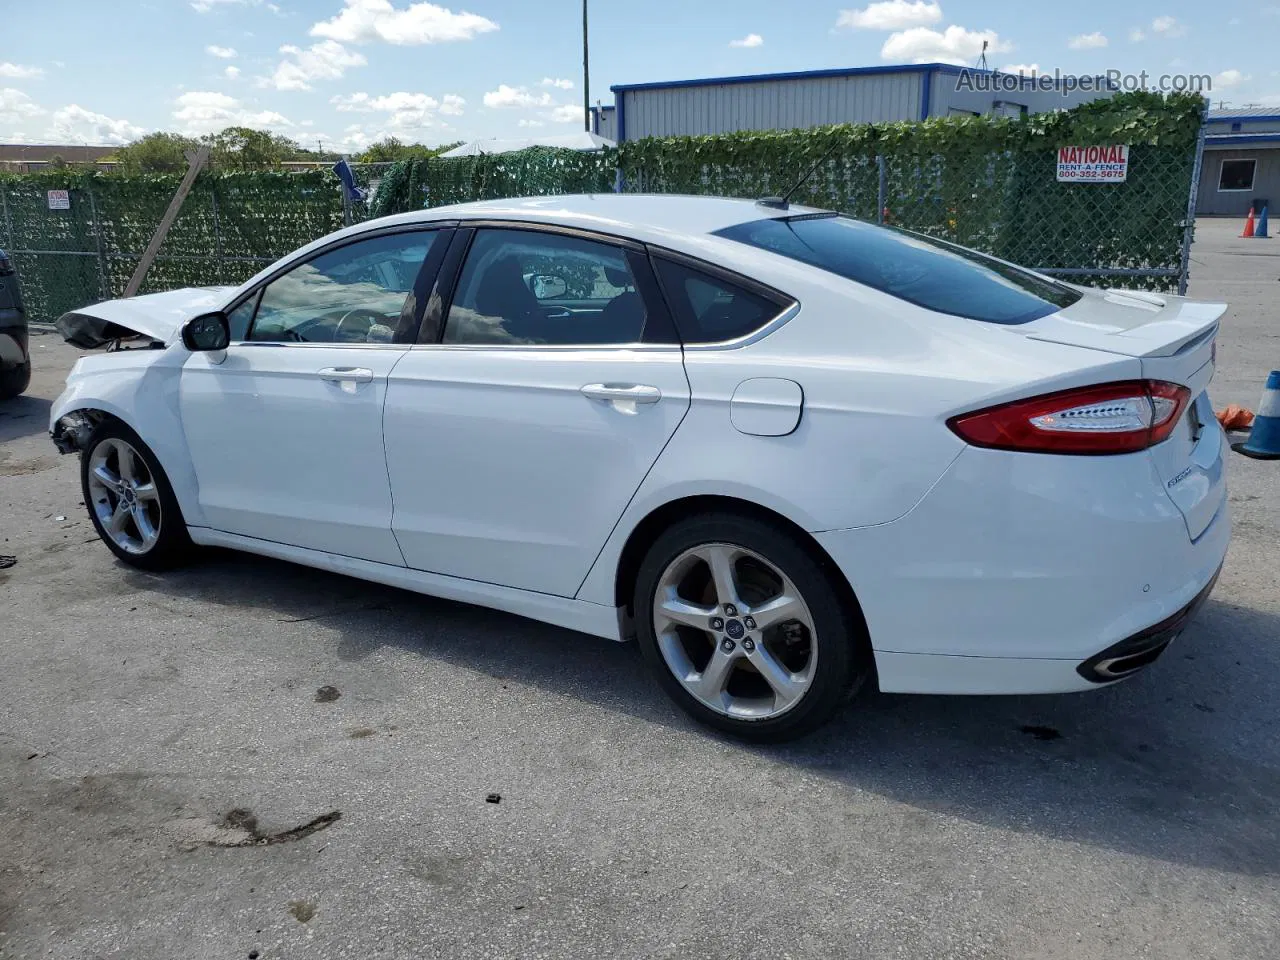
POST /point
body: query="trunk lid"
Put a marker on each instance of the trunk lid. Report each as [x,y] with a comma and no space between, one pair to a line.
[1173,337]
[156,315]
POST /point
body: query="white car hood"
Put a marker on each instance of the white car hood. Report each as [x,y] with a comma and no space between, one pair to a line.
[156,315]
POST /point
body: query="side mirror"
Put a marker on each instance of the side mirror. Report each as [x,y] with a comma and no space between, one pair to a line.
[549,288]
[209,331]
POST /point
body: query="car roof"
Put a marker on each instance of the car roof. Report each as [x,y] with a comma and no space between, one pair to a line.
[656,218]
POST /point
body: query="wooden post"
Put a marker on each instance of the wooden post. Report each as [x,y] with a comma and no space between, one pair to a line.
[195,162]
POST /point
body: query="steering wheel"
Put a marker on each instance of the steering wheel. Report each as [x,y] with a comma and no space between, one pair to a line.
[370,317]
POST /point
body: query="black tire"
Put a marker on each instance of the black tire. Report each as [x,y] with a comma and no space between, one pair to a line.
[844,653]
[15,380]
[173,546]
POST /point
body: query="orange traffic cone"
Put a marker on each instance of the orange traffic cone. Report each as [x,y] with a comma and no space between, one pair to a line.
[1248,225]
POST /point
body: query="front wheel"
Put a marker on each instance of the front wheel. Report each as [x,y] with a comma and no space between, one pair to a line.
[130,501]
[746,629]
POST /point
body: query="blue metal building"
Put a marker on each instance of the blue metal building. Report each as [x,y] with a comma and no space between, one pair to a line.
[780,101]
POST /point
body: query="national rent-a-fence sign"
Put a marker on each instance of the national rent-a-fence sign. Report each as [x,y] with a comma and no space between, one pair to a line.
[1093,164]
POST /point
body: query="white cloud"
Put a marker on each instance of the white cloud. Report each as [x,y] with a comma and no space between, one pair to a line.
[954,45]
[202,111]
[506,96]
[326,60]
[558,84]
[1168,27]
[204,6]
[222,53]
[77,125]
[232,73]
[16,71]
[1136,35]
[16,105]
[891,15]
[530,123]
[1023,68]
[1229,78]
[1087,41]
[566,113]
[404,111]
[367,21]
[750,40]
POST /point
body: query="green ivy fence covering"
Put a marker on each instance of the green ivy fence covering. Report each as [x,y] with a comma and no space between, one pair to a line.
[986,182]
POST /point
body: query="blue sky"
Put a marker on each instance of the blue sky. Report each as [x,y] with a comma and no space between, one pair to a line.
[347,72]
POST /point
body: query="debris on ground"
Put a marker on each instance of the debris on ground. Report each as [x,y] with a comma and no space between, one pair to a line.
[493,798]
[327,694]
[1041,733]
[1234,417]
[7,562]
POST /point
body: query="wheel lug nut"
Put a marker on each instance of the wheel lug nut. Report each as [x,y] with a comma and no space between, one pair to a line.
[748,645]
[730,610]
[717,623]
[749,622]
[727,645]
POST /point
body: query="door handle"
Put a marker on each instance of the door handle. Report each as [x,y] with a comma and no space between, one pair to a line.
[347,378]
[630,392]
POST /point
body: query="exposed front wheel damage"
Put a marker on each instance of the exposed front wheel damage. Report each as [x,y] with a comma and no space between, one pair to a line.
[71,433]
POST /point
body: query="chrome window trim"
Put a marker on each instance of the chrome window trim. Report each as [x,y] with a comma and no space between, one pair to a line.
[759,333]
[553,347]
[317,344]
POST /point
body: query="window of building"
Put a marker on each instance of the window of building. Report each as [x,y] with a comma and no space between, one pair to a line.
[1235,127]
[1236,174]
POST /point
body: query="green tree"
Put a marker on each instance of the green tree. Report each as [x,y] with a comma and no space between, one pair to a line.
[245,149]
[391,149]
[155,153]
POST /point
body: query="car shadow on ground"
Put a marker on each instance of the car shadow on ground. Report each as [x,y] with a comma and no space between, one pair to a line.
[1178,764]
[23,417]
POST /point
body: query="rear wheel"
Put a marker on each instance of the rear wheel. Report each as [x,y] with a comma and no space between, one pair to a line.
[130,501]
[745,629]
[14,380]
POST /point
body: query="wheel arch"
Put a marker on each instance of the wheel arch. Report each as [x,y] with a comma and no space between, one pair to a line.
[646,532]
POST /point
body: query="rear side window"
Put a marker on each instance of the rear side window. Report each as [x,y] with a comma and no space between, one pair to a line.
[709,309]
[921,270]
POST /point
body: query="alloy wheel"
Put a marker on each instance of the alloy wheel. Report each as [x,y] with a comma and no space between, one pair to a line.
[734,631]
[123,496]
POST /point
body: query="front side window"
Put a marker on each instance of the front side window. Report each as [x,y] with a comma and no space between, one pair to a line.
[528,287]
[910,266]
[1236,175]
[354,294]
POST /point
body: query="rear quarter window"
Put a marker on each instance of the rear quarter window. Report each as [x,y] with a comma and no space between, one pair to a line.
[709,308]
[910,266]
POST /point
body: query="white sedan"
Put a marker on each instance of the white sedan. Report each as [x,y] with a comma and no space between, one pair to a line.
[789,452]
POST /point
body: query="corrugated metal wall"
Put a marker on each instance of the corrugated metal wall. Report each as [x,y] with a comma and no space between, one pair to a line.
[770,104]
[606,122]
[1266,183]
[944,98]
[1269,125]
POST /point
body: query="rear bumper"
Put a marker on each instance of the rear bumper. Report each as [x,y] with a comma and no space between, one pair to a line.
[1016,570]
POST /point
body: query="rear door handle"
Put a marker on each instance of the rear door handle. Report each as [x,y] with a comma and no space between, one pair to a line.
[346,377]
[633,392]
[623,397]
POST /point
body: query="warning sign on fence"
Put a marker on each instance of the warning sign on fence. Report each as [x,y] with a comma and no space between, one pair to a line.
[59,199]
[1093,164]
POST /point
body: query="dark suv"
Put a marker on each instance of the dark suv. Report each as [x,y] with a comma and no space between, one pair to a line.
[15,358]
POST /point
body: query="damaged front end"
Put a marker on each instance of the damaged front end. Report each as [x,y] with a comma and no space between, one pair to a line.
[70,434]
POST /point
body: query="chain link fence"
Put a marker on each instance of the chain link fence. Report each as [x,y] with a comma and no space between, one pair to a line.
[230,227]
[984,182]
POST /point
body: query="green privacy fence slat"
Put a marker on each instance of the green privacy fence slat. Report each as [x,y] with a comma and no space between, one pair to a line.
[985,182]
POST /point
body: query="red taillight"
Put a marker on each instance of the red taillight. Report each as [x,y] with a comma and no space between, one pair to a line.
[1107,418]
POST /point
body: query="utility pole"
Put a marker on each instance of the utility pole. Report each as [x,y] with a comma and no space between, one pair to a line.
[586,74]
